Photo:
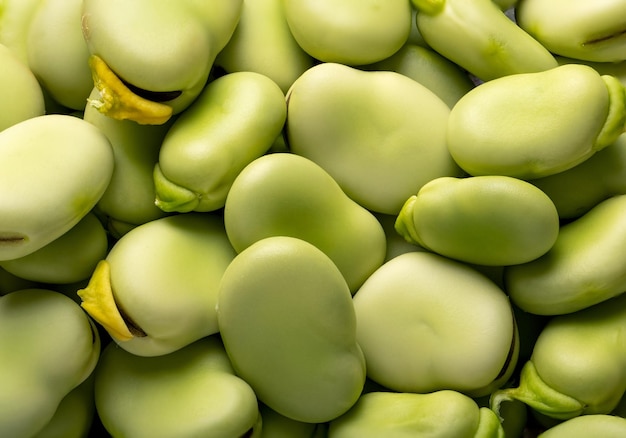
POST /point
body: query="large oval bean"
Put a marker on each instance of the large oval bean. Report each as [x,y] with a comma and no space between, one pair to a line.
[531,125]
[189,392]
[485,220]
[286,316]
[53,170]
[380,134]
[426,322]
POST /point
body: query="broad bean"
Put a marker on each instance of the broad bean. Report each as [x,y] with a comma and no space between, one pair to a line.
[364,127]
[148,76]
[156,290]
[189,392]
[56,168]
[531,125]
[235,119]
[421,332]
[352,32]
[48,346]
[287,320]
[485,220]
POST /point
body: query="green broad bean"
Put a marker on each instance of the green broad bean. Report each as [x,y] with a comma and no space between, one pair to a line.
[57,52]
[578,364]
[606,426]
[436,414]
[129,197]
[426,66]
[353,32]
[577,190]
[369,127]
[48,347]
[427,323]
[166,66]
[488,220]
[284,194]
[492,46]
[531,125]
[156,290]
[21,97]
[584,266]
[592,31]
[68,259]
[263,43]
[235,120]
[287,320]
[57,167]
[189,392]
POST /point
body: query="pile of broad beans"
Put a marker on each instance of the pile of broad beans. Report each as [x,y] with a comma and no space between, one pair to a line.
[313,218]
